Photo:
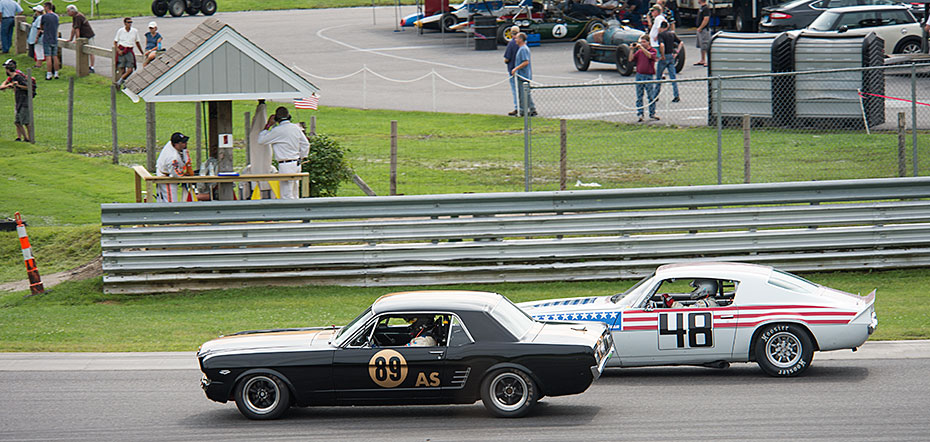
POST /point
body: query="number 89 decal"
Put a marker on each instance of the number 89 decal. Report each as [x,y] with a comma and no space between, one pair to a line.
[387,368]
[699,329]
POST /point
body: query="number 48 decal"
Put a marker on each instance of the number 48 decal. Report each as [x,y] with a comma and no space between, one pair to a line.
[699,329]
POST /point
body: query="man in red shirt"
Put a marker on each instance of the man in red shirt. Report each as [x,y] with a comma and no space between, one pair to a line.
[645,57]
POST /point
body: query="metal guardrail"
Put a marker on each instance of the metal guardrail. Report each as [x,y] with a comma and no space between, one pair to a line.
[577,235]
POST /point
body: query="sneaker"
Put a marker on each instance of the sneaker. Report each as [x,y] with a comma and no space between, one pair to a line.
[56,74]
[533,113]
[676,99]
[653,118]
[48,75]
[513,113]
[91,69]
[640,118]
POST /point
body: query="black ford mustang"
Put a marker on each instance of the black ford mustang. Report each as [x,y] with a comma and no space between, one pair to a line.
[429,347]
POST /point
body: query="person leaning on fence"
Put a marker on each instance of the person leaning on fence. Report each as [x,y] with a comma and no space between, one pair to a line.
[290,147]
[125,38]
[18,81]
[152,44]
[173,161]
[645,57]
[35,50]
[510,55]
[703,31]
[49,29]
[669,44]
[9,8]
[523,71]
[80,28]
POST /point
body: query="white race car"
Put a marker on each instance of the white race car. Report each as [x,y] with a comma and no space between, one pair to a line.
[715,313]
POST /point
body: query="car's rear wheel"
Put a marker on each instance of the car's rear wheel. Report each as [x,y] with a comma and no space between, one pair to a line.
[177,7]
[624,65]
[508,393]
[582,55]
[783,350]
[159,8]
[262,397]
[448,21]
[908,46]
[208,7]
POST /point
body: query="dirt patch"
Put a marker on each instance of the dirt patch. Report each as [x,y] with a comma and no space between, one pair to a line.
[89,270]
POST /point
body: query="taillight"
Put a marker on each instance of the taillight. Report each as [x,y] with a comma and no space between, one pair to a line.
[780,16]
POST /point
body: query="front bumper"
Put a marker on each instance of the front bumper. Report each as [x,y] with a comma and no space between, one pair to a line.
[215,391]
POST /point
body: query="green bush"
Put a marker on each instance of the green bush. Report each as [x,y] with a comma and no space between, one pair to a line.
[327,166]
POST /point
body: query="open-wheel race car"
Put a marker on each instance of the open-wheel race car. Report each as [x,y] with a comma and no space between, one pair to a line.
[715,313]
[554,24]
[428,347]
[613,45]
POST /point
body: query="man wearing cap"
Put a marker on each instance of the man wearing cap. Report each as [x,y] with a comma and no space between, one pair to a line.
[173,161]
[19,83]
[289,144]
[80,28]
[152,44]
[9,9]
[35,50]
[125,38]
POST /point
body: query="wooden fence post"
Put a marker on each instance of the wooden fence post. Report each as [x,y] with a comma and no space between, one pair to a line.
[70,114]
[393,186]
[21,46]
[746,150]
[150,136]
[313,125]
[563,153]
[30,108]
[248,136]
[902,141]
[113,123]
[198,110]
[81,60]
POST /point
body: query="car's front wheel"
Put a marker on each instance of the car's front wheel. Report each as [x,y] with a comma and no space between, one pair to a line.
[582,55]
[783,350]
[262,397]
[624,65]
[508,393]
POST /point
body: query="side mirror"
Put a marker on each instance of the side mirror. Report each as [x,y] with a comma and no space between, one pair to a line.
[843,28]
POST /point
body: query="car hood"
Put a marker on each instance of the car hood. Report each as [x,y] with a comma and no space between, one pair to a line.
[597,308]
[263,341]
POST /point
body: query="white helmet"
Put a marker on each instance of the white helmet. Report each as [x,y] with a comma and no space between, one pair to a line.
[703,288]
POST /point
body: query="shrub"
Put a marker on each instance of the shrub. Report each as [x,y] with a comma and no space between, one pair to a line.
[327,166]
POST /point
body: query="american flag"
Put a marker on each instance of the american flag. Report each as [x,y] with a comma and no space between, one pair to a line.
[307,103]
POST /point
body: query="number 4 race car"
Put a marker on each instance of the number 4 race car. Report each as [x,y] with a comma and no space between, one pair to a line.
[432,347]
[716,313]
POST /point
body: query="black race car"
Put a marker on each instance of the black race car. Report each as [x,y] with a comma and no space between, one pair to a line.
[429,347]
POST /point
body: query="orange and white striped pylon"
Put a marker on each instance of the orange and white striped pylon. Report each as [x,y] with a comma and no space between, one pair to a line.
[35,282]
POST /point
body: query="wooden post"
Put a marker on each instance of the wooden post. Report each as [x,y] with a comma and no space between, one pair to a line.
[198,110]
[313,125]
[563,153]
[81,60]
[21,46]
[746,151]
[113,123]
[150,136]
[30,108]
[113,61]
[70,114]
[220,122]
[393,190]
[248,136]
[902,141]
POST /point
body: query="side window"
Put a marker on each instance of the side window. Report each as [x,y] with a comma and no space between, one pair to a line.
[693,292]
[896,18]
[821,4]
[458,335]
[362,338]
[411,330]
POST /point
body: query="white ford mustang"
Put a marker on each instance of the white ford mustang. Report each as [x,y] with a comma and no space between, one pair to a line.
[714,313]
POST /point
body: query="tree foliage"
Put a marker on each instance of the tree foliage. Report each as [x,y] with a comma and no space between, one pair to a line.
[327,166]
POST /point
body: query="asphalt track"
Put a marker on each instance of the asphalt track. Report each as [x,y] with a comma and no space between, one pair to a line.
[878,393]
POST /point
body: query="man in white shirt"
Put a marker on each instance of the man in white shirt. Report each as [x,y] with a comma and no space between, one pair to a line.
[173,161]
[289,144]
[657,19]
[122,44]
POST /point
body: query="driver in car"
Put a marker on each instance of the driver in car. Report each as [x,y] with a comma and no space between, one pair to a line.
[421,331]
[703,295]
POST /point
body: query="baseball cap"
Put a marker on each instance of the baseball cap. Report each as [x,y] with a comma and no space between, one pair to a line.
[38,8]
[178,137]
[153,25]
[9,63]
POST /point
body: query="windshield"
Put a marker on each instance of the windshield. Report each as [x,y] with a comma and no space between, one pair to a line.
[824,22]
[512,318]
[350,328]
[616,298]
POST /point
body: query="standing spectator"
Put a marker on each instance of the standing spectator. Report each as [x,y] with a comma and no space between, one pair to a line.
[510,55]
[173,161]
[703,31]
[670,11]
[290,147]
[49,29]
[122,44]
[35,50]
[80,28]
[523,70]
[668,47]
[9,8]
[645,57]
[152,43]
[636,10]
[17,81]
[656,20]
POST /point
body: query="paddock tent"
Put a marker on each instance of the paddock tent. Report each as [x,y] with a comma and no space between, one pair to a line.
[213,62]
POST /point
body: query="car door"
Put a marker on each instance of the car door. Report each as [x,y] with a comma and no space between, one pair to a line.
[896,25]
[654,333]
[367,370]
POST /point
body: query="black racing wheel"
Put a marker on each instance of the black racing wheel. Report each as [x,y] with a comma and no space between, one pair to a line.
[209,7]
[177,8]
[508,392]
[582,55]
[783,350]
[262,396]
[159,8]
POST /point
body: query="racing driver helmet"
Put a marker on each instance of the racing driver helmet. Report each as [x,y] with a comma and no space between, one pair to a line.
[703,288]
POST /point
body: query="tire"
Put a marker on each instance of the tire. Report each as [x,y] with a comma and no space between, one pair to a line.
[680,60]
[448,21]
[262,396]
[508,393]
[582,55]
[208,7]
[783,350]
[594,26]
[503,33]
[159,8]
[192,10]
[625,67]
[177,7]
[907,46]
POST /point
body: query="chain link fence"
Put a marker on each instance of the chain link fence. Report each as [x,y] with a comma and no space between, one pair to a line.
[816,125]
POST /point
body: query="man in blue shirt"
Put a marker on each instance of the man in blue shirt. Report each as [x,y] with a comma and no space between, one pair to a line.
[9,9]
[523,71]
[50,40]
[510,54]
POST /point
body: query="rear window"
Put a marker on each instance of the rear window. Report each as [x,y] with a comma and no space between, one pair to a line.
[512,318]
[792,282]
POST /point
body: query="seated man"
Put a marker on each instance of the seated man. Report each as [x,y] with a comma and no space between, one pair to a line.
[421,331]
[703,295]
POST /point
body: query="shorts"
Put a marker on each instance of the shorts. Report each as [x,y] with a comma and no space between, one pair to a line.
[51,49]
[22,116]
[127,60]
[703,39]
